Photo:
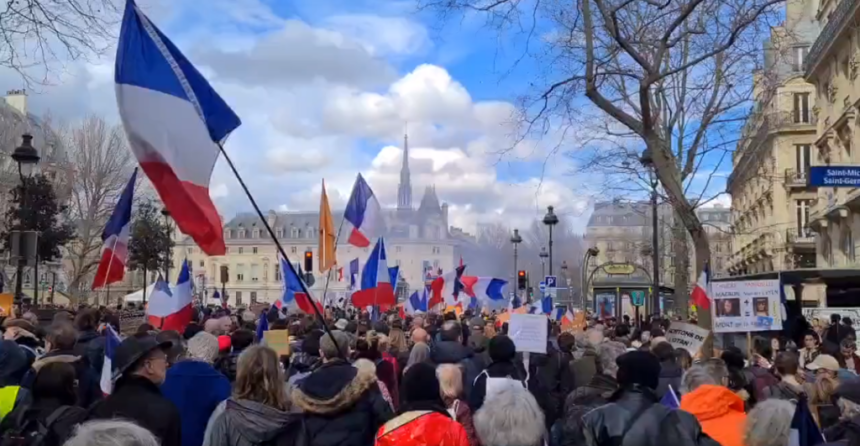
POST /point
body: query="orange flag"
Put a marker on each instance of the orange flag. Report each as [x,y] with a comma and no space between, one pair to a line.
[326,247]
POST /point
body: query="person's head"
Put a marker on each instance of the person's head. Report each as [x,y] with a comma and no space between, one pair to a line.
[848,347]
[684,358]
[727,305]
[176,351]
[419,335]
[811,340]
[510,416]
[241,339]
[594,337]
[63,316]
[382,343]
[56,380]
[775,344]
[311,343]
[87,320]
[112,433]
[397,339]
[638,368]
[762,348]
[501,349]
[421,385]
[450,382]
[333,349]
[709,372]
[786,364]
[835,318]
[566,342]
[824,365]
[451,331]
[152,365]
[61,336]
[664,352]
[769,423]
[608,354]
[260,377]
[203,347]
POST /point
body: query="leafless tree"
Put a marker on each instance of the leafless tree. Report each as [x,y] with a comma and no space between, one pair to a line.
[36,35]
[671,80]
[99,169]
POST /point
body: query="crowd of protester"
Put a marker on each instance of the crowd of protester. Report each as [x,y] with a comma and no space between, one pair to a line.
[443,380]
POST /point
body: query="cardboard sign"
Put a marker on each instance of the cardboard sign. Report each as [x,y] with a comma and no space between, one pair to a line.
[579,323]
[278,340]
[687,336]
[529,332]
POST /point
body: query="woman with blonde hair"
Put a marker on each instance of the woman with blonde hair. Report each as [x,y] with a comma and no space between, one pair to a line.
[451,388]
[258,411]
[822,390]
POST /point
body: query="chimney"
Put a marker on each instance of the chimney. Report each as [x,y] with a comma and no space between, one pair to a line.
[17,99]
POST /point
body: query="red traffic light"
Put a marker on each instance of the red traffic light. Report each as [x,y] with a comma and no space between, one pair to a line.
[522,273]
[308,254]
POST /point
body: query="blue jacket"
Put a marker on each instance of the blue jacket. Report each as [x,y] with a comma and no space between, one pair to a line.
[195,388]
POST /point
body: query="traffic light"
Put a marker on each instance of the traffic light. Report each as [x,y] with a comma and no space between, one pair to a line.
[521,279]
[309,261]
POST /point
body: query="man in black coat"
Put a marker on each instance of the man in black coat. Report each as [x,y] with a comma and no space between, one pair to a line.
[450,350]
[60,343]
[141,364]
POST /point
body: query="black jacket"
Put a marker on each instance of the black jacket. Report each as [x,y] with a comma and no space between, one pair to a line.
[228,364]
[342,404]
[634,417]
[91,346]
[550,381]
[40,410]
[450,352]
[844,431]
[89,388]
[139,400]
[670,375]
[568,429]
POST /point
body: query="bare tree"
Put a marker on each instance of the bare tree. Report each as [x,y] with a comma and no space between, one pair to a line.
[99,168]
[36,34]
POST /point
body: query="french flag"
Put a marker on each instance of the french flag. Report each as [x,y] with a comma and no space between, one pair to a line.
[701,292]
[485,291]
[115,237]
[294,293]
[376,286]
[112,341]
[365,214]
[416,304]
[175,123]
[170,308]
[448,287]
[353,272]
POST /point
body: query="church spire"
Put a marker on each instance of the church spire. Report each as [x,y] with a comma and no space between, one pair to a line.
[404,190]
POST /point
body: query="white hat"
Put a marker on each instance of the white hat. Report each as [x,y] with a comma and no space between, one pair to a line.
[824,362]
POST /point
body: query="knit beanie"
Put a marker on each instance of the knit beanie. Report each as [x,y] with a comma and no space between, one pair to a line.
[502,348]
[203,347]
[421,384]
[638,367]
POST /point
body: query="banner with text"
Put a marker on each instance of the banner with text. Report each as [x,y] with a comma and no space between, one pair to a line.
[687,336]
[746,305]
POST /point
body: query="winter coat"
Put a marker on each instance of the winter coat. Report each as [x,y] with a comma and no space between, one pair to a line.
[228,364]
[670,375]
[634,417]
[463,415]
[91,346]
[585,367]
[758,379]
[422,427]
[550,380]
[196,389]
[249,423]
[138,399]
[500,369]
[567,431]
[342,404]
[89,387]
[846,431]
[720,412]
[450,352]
[67,418]
[784,391]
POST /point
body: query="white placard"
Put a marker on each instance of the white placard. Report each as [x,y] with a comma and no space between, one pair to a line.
[746,305]
[529,332]
[687,336]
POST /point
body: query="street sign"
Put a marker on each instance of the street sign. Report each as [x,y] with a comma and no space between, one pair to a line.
[542,287]
[550,281]
[637,298]
[619,268]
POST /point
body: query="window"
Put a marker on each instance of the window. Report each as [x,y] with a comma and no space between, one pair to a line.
[240,272]
[801,108]
[800,53]
[436,264]
[202,263]
[279,233]
[253,297]
[397,262]
[254,250]
[309,232]
[294,232]
[241,233]
[802,158]
[436,250]
[241,250]
[397,249]
[293,250]
[277,273]
[848,244]
[255,272]
[238,298]
[801,210]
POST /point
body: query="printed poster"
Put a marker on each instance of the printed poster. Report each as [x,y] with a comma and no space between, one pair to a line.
[746,305]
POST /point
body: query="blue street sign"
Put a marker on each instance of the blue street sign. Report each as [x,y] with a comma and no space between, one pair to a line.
[550,281]
[834,176]
[638,298]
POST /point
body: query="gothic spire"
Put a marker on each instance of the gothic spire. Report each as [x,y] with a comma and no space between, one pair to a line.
[404,190]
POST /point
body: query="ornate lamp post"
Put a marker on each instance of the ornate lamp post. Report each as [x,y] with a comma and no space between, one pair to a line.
[24,242]
[550,219]
[516,240]
[648,161]
[543,255]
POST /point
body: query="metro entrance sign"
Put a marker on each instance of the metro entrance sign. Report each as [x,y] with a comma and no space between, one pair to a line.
[834,176]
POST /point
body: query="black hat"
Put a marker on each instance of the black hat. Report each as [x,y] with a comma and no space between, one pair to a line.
[638,367]
[132,349]
[850,390]
[501,348]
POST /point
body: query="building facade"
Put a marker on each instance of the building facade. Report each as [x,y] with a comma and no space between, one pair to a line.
[417,239]
[832,67]
[771,201]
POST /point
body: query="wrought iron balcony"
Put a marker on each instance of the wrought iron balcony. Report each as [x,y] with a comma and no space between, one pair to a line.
[838,20]
[794,178]
[803,236]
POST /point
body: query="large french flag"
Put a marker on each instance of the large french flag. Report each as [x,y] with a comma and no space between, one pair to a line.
[376,286]
[294,295]
[112,341]
[448,287]
[115,238]
[175,124]
[701,292]
[170,308]
[485,291]
[365,214]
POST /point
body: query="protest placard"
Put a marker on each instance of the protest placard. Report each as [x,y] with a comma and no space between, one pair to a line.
[278,340]
[529,332]
[687,336]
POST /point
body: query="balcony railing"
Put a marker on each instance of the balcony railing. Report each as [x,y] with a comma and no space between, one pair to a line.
[759,127]
[803,235]
[837,21]
[794,178]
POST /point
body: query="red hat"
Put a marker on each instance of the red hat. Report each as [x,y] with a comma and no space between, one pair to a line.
[224,343]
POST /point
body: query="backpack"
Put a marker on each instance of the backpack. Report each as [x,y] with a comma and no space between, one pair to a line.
[32,432]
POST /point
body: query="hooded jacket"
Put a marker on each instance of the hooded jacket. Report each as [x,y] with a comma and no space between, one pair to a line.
[196,389]
[249,423]
[91,345]
[67,417]
[13,367]
[720,412]
[450,352]
[89,388]
[342,404]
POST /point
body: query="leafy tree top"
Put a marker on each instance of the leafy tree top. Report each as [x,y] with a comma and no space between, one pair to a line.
[35,207]
[150,238]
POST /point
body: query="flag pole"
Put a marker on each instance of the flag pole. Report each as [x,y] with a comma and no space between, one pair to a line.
[336,241]
[277,242]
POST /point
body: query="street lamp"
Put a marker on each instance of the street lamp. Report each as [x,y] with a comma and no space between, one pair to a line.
[550,219]
[647,161]
[543,255]
[27,158]
[516,240]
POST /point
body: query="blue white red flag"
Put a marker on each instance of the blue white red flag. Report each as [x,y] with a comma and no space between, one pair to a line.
[364,213]
[376,286]
[112,341]
[115,238]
